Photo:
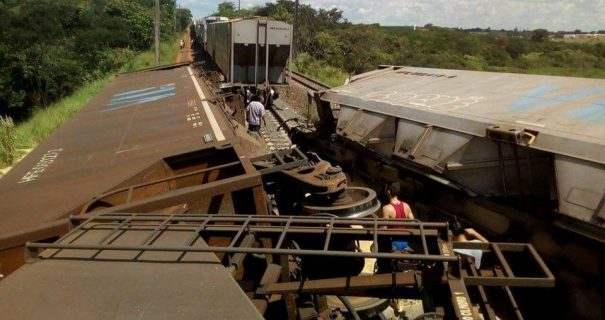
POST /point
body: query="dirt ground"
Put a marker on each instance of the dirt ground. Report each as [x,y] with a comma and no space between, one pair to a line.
[186,54]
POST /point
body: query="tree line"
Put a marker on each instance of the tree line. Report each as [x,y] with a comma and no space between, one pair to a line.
[49,48]
[326,36]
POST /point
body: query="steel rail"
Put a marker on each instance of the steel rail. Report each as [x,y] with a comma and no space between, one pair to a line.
[307,81]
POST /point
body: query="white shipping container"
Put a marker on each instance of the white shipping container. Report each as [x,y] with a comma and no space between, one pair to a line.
[243,48]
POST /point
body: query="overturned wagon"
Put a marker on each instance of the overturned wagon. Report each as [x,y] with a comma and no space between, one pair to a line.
[250,51]
[518,156]
[534,140]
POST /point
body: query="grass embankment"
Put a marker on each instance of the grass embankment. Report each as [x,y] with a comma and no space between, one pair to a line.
[319,70]
[568,72]
[45,120]
[168,52]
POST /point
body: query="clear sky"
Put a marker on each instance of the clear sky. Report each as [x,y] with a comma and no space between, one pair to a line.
[554,15]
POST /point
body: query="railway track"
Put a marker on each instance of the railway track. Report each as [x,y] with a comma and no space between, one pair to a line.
[282,118]
[306,81]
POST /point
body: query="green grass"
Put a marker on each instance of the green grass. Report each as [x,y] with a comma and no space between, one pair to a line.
[44,121]
[146,59]
[319,70]
[568,72]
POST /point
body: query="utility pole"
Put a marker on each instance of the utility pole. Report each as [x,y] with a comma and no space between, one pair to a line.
[174,17]
[239,6]
[157,32]
[295,31]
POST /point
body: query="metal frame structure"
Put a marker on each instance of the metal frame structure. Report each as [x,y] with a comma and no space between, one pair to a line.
[130,189]
[280,160]
[273,235]
[508,277]
[261,226]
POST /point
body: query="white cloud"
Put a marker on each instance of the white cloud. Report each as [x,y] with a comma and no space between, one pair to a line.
[363,11]
[554,15]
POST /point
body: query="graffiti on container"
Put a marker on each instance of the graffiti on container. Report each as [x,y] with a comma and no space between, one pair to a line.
[47,159]
[424,74]
[594,112]
[140,96]
[437,102]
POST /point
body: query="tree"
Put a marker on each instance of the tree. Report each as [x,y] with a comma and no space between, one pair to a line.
[226,9]
[540,35]
[281,13]
[183,18]
[48,48]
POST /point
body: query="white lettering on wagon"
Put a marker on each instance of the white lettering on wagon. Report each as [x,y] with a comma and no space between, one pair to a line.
[463,305]
[445,250]
[47,159]
[424,74]
[431,101]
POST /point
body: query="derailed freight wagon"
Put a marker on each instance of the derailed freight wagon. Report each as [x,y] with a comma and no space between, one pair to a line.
[251,51]
[201,29]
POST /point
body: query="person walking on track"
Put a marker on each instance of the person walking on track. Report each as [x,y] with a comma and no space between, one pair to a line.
[255,113]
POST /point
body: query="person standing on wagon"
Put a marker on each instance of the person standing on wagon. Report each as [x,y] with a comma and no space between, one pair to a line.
[396,209]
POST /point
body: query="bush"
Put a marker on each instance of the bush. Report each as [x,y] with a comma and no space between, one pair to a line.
[533,60]
[579,59]
[474,62]
[319,70]
[7,139]
[113,59]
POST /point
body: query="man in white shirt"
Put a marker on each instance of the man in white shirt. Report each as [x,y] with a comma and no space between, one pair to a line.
[255,113]
[468,235]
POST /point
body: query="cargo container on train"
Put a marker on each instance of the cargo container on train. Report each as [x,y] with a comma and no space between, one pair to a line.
[201,29]
[243,48]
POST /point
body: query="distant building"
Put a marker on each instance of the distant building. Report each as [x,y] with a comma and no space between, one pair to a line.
[583,35]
